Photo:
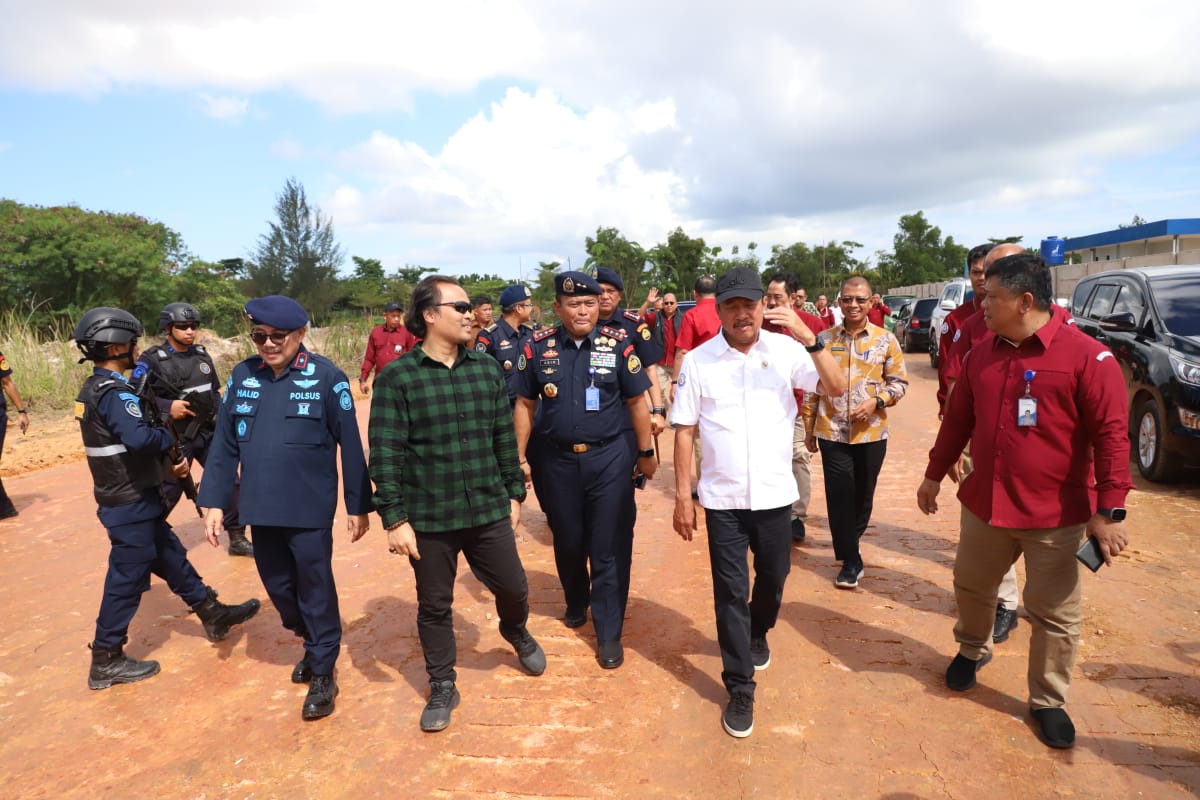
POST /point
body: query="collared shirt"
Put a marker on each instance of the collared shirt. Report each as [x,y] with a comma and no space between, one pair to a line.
[668,330]
[443,451]
[950,327]
[874,367]
[1052,474]
[383,347]
[504,343]
[699,325]
[744,406]
[814,323]
[876,314]
[969,333]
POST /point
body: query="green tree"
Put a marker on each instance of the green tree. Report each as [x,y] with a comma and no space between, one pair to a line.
[299,255]
[1133,223]
[628,259]
[211,288]
[920,254]
[676,264]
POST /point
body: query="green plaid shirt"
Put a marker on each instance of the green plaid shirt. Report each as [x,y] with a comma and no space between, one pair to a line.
[443,451]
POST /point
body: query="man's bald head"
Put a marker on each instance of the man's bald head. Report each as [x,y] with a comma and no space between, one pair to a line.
[1002,251]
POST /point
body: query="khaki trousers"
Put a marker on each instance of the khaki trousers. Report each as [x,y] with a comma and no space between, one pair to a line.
[1008,587]
[801,470]
[1052,591]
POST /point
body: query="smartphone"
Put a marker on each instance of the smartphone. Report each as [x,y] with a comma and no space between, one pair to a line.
[1089,554]
[639,480]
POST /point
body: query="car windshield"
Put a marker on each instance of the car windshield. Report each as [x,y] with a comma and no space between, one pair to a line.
[1178,301]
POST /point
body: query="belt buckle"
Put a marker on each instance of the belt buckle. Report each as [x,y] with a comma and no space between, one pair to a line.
[579,448]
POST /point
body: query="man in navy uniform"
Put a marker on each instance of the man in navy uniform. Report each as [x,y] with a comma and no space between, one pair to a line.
[184,379]
[590,382]
[284,413]
[638,333]
[504,339]
[125,455]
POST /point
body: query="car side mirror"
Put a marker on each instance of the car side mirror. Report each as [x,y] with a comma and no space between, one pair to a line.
[1119,322]
[948,305]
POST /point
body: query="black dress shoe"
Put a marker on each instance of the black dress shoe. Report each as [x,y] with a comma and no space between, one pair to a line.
[319,702]
[302,672]
[8,513]
[1054,727]
[1006,621]
[611,654]
[960,675]
[798,531]
[575,619]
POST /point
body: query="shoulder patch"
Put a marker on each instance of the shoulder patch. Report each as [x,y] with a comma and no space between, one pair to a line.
[945,327]
[481,345]
[613,332]
[544,333]
[162,354]
[632,315]
[628,349]
[957,335]
[491,326]
[199,348]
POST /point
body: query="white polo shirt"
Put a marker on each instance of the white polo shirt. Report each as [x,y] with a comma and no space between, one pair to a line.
[744,405]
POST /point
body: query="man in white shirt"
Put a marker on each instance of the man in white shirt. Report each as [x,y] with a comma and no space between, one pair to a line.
[737,389]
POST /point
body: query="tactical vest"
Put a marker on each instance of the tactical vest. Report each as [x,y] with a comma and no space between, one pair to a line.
[119,476]
[181,376]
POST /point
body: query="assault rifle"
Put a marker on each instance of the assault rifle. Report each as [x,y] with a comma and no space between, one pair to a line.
[140,384]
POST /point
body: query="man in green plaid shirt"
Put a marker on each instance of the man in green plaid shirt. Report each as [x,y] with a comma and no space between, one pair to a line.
[444,463]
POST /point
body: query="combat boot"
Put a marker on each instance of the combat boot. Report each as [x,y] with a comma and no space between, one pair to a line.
[110,665]
[239,545]
[218,618]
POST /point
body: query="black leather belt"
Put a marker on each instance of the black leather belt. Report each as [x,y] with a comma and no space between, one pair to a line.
[583,447]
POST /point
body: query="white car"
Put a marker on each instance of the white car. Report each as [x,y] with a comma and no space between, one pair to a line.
[954,294]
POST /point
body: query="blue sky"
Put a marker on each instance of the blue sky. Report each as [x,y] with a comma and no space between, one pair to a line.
[486,136]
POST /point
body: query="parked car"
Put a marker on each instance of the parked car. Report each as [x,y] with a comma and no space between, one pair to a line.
[912,323]
[894,302]
[954,294]
[1150,318]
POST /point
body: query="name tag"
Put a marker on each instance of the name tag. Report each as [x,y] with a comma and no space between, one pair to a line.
[1027,412]
[591,399]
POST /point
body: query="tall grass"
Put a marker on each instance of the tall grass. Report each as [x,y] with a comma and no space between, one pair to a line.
[45,368]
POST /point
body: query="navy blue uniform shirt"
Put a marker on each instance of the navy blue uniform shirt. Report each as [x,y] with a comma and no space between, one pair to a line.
[638,333]
[284,431]
[504,343]
[553,367]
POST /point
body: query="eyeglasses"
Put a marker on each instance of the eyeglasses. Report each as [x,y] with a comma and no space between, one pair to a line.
[461,306]
[185,326]
[862,301]
[668,302]
[276,337]
[523,305]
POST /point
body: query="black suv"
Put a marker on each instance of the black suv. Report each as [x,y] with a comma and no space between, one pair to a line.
[1150,318]
[912,323]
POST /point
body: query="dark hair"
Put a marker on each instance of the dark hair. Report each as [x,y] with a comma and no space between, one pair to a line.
[426,295]
[1024,272]
[705,285]
[979,252]
[856,279]
[790,282]
[480,300]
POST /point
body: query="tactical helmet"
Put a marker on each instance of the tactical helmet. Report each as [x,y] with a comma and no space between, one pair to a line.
[177,312]
[101,327]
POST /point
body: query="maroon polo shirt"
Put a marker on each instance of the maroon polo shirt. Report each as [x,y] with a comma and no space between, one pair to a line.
[383,347]
[950,326]
[1055,474]
[699,325]
[814,323]
[969,334]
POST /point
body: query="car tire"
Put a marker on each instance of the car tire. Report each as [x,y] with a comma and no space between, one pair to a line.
[1153,460]
[933,355]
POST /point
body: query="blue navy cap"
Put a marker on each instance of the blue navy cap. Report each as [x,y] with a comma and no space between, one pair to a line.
[606,275]
[513,295]
[277,311]
[575,284]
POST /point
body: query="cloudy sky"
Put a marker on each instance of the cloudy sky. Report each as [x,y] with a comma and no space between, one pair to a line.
[486,136]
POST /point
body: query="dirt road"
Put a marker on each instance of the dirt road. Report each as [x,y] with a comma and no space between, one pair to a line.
[853,704]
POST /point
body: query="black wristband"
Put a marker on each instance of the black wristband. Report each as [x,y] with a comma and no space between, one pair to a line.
[646,453]
[22,411]
[815,347]
[660,410]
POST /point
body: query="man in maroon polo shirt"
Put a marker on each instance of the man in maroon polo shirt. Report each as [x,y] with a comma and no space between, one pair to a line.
[1044,408]
[955,319]
[386,343]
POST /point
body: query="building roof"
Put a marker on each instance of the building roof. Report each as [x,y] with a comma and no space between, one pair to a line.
[1136,233]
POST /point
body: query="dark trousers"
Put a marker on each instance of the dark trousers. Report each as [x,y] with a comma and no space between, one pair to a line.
[851,471]
[588,501]
[743,612]
[6,503]
[491,552]
[138,550]
[296,567]
[172,489]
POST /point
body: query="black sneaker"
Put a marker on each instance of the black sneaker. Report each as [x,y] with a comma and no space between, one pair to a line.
[443,698]
[575,618]
[529,653]
[848,577]
[1054,727]
[1006,621]
[798,531]
[960,675]
[760,653]
[738,719]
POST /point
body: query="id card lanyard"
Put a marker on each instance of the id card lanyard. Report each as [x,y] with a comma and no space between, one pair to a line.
[1027,405]
[591,395]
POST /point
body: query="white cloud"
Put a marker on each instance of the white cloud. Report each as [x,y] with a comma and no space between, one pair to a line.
[287,148]
[224,107]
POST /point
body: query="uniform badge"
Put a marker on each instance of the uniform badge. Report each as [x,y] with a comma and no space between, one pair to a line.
[205,368]
[603,371]
[507,366]
[345,401]
[550,343]
[306,384]
[242,427]
[957,334]
[79,409]
[505,343]
[243,408]
[481,346]
[302,409]
[521,363]
[645,333]
[549,371]
[682,379]
[251,383]
[634,365]
[945,327]
[310,367]
[568,286]
[551,389]
[133,409]
[549,353]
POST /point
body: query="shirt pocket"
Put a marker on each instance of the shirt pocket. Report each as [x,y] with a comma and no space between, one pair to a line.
[243,419]
[304,424]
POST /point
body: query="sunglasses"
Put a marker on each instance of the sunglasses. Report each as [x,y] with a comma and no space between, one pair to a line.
[862,301]
[277,337]
[185,326]
[668,302]
[461,306]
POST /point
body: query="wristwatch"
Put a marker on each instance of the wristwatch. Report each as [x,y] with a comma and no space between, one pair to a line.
[659,410]
[1115,514]
[880,403]
[646,453]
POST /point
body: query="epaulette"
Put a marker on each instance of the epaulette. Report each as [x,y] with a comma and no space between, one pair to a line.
[199,348]
[490,327]
[544,333]
[613,332]
[161,352]
[632,315]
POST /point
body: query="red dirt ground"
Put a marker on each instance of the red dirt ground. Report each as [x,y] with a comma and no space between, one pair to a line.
[853,704]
